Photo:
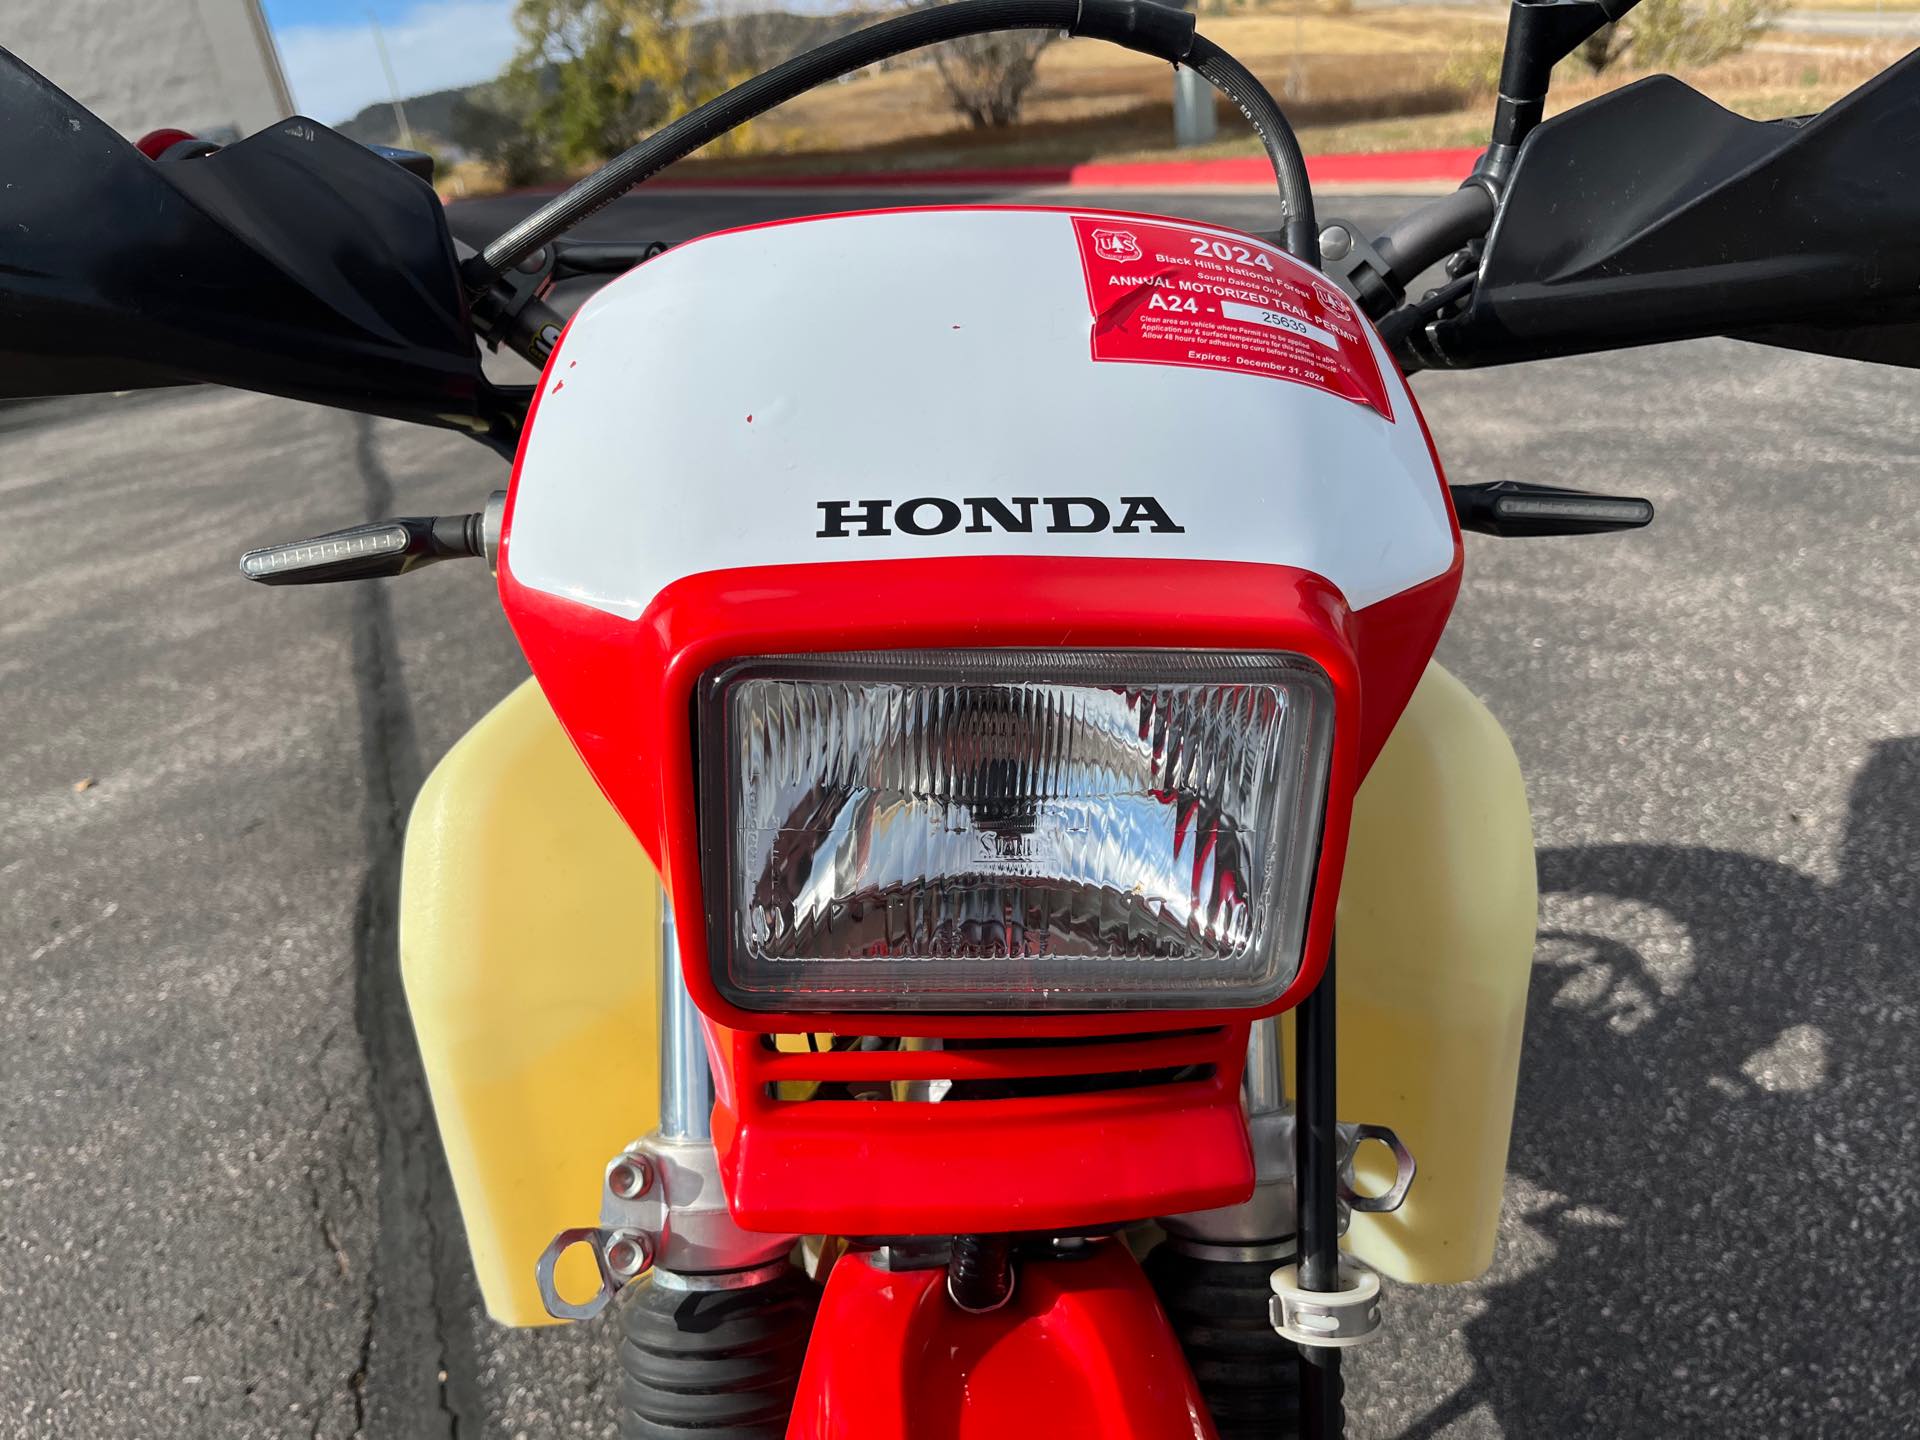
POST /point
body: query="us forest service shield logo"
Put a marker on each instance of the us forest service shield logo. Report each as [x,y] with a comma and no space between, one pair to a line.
[1119,245]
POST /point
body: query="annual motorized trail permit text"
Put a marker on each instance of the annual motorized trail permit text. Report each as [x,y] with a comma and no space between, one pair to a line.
[1169,294]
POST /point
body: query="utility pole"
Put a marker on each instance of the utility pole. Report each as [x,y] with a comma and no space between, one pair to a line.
[1194,121]
[1296,80]
[393,87]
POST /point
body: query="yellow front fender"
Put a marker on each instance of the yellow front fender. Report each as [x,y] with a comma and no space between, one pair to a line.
[530,946]
[1436,926]
[529,940]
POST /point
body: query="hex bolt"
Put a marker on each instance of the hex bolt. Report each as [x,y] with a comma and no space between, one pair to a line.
[1335,242]
[630,1177]
[628,1253]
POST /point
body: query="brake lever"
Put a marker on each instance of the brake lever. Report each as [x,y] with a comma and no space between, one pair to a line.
[600,257]
[1398,325]
[514,311]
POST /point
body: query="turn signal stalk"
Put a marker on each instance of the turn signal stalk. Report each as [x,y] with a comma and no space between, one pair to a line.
[379,549]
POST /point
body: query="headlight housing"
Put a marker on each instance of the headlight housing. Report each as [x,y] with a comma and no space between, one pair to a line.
[1011,830]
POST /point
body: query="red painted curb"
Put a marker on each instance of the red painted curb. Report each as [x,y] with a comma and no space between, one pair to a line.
[1396,167]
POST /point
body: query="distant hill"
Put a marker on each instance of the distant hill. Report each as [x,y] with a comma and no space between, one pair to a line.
[768,37]
[428,115]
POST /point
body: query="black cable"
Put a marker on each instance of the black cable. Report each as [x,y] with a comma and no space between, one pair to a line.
[1300,230]
[1316,1140]
[1317,1166]
[1151,29]
[1396,325]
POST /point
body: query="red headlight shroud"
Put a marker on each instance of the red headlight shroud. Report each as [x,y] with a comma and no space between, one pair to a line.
[625,692]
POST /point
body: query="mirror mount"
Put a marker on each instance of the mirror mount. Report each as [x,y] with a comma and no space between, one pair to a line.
[1540,34]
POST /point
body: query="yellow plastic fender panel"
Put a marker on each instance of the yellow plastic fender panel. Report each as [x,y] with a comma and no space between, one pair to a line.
[530,947]
[529,943]
[1435,934]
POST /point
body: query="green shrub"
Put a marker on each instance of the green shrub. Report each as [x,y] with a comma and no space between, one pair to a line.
[1472,71]
[1673,33]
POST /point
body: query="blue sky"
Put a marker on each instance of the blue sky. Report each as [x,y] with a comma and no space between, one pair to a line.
[326,48]
[333,12]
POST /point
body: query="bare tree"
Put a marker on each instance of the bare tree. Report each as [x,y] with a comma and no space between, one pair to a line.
[987,76]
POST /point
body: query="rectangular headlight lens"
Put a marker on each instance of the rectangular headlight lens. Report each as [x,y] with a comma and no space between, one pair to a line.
[1012,830]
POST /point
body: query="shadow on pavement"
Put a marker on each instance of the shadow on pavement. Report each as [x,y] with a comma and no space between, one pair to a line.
[1700,1016]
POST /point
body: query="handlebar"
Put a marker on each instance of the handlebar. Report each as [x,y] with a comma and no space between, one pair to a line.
[1378,272]
[1429,234]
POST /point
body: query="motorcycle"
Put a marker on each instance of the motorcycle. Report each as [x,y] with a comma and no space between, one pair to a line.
[982,660]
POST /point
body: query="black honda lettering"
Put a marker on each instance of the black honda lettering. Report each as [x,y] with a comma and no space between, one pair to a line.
[1145,507]
[837,513]
[907,516]
[1063,510]
[1002,513]
[985,514]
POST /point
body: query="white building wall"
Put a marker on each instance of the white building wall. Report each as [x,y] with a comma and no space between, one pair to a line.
[207,66]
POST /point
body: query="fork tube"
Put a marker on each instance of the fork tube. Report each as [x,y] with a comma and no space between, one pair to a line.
[1260,1086]
[1317,1159]
[686,1084]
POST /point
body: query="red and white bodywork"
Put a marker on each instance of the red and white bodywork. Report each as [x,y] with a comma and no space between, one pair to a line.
[955,429]
[961,428]
[701,409]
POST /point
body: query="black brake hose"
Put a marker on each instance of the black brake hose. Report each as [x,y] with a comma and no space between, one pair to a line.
[1300,232]
[1152,29]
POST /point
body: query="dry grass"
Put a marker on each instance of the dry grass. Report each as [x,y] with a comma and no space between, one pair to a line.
[1376,80]
[1761,83]
[1889,7]
[1373,81]
[1345,68]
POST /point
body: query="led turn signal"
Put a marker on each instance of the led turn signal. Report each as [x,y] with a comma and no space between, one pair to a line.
[1512,509]
[377,550]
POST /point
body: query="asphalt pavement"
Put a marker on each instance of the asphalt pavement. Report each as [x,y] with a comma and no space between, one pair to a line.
[222,1211]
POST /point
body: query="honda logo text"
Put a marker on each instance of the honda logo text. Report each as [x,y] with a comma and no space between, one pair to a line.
[1020,515]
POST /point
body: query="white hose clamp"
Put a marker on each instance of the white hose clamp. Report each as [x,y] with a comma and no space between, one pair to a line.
[1333,1319]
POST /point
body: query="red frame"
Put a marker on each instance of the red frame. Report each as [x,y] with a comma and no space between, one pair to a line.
[624,690]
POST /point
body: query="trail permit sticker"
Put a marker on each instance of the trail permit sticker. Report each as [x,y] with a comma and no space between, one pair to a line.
[1170,294]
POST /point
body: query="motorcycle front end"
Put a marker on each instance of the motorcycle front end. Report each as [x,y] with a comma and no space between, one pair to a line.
[997,830]
[554,1029]
[988,917]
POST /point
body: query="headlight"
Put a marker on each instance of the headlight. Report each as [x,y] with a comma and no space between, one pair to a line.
[1011,829]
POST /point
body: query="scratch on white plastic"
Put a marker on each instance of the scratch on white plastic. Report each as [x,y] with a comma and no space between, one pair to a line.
[706,406]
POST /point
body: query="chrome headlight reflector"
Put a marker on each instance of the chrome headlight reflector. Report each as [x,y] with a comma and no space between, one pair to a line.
[1011,830]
